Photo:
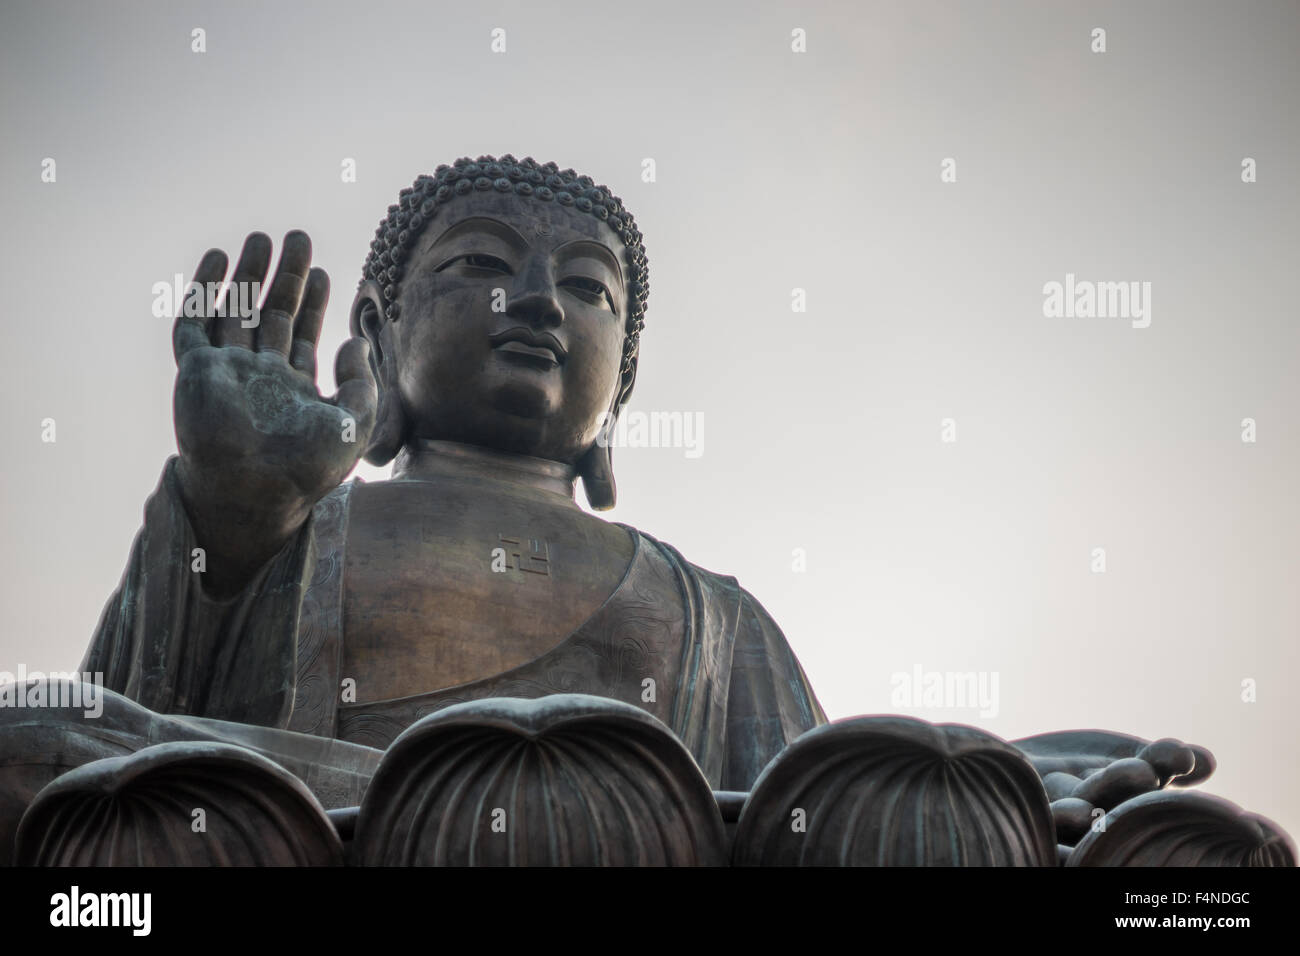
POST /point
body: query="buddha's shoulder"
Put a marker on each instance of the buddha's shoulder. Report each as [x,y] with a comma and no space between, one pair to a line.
[715,581]
[723,602]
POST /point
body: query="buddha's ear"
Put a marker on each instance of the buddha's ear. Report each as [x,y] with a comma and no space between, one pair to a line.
[625,386]
[596,467]
[368,321]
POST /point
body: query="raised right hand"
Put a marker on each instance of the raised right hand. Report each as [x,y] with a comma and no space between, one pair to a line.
[259,445]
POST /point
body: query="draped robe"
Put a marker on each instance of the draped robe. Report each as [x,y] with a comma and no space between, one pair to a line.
[733,691]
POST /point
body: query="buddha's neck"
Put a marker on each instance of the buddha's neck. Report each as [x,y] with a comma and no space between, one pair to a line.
[424,459]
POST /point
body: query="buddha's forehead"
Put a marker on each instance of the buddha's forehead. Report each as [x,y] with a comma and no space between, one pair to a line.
[536,221]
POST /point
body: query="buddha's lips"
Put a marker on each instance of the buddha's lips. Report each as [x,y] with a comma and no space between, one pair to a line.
[541,345]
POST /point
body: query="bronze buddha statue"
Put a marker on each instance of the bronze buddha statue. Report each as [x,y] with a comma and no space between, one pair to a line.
[274,610]
[495,340]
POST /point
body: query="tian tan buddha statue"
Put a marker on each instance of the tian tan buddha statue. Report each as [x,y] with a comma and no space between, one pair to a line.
[288,627]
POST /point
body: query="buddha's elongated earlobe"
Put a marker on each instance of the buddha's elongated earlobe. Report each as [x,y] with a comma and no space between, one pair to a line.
[596,468]
[390,424]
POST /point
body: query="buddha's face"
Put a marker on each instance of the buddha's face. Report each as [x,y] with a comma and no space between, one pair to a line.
[511,327]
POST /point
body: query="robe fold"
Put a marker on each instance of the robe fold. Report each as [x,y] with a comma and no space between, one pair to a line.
[723,676]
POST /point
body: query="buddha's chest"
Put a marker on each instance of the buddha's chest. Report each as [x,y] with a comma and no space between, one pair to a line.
[447,582]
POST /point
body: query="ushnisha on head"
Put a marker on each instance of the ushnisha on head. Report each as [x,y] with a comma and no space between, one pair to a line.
[503,301]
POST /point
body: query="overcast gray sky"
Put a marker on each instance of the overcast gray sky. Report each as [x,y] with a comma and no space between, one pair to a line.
[823,429]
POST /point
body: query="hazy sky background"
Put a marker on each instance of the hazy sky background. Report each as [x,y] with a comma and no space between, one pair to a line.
[775,170]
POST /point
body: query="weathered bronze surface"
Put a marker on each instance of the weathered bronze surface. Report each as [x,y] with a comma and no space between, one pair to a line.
[178,804]
[423,608]
[567,780]
[270,609]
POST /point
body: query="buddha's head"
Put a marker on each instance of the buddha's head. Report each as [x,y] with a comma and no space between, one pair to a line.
[503,301]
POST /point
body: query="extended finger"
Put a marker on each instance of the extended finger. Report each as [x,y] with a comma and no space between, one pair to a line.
[1169,758]
[275,331]
[306,328]
[238,317]
[1203,767]
[1122,780]
[192,331]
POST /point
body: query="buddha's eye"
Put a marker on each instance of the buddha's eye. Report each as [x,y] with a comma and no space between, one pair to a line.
[478,264]
[589,290]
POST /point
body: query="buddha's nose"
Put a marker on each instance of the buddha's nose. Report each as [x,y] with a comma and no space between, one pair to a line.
[535,299]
